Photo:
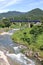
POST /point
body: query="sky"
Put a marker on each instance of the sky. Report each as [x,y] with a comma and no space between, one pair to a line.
[20,5]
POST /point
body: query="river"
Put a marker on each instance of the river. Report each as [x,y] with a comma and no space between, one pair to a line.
[12,51]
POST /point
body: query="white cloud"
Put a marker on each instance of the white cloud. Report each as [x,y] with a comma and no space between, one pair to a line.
[2,0]
[36,3]
[4,10]
[6,3]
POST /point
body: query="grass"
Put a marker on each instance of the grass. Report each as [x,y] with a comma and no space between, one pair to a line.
[35,46]
[19,34]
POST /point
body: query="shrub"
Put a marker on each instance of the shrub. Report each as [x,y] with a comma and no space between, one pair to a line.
[24,33]
[42,62]
[28,40]
[41,47]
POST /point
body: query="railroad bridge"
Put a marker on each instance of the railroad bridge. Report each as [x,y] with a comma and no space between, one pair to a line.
[30,22]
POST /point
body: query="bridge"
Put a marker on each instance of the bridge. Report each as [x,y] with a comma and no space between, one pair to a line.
[28,21]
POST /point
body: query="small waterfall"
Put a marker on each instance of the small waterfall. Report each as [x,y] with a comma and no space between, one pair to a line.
[20,57]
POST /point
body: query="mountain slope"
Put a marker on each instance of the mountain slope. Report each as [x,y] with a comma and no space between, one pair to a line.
[35,13]
[10,14]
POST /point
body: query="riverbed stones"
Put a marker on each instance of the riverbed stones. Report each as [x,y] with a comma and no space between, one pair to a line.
[22,47]
[28,53]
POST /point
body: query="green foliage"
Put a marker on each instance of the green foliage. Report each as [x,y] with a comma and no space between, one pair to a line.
[36,30]
[41,47]
[32,36]
[35,14]
[12,26]
[2,25]
[5,23]
[42,62]
[28,40]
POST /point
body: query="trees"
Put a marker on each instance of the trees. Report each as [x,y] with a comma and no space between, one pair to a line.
[41,47]
[36,30]
[5,23]
[2,25]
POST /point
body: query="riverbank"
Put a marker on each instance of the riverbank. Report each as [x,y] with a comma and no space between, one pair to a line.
[5,60]
[33,55]
[23,37]
[22,46]
[6,31]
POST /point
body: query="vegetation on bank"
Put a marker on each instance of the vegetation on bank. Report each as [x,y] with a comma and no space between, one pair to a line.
[6,29]
[30,37]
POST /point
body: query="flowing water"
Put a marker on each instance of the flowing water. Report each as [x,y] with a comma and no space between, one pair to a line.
[12,50]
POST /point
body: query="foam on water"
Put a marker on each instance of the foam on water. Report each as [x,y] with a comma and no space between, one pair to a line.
[21,58]
[15,48]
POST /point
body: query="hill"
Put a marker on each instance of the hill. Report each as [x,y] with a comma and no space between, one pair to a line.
[33,14]
[10,14]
